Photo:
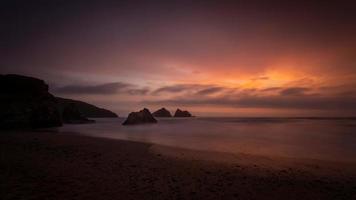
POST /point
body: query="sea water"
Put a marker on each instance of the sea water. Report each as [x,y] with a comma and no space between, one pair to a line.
[332,139]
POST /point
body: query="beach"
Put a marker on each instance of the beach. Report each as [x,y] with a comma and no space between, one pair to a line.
[177,100]
[63,165]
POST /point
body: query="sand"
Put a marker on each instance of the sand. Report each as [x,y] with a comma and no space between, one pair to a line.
[52,165]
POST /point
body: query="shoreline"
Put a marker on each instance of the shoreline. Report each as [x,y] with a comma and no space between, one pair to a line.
[56,165]
[270,162]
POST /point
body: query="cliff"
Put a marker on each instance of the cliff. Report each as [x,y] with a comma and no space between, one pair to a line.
[86,109]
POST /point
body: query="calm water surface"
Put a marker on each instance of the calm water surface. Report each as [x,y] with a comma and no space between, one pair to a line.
[331,139]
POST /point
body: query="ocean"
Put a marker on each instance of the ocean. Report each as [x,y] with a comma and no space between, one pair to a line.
[331,139]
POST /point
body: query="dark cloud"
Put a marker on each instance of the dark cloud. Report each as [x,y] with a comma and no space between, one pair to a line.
[286,98]
[299,102]
[174,89]
[271,89]
[103,89]
[211,90]
[260,78]
[142,91]
[179,88]
[294,91]
[108,88]
[276,102]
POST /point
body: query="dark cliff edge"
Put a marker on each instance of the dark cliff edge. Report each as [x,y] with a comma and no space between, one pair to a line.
[86,109]
[26,103]
[72,115]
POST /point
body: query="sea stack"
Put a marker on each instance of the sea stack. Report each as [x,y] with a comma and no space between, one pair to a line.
[72,115]
[163,112]
[26,103]
[142,117]
[180,113]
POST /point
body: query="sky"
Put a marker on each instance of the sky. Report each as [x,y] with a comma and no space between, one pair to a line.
[213,58]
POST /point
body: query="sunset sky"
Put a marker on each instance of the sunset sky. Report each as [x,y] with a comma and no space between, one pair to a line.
[214,58]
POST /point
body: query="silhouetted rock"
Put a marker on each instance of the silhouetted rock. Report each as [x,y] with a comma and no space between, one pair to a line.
[180,113]
[26,103]
[142,117]
[72,115]
[85,109]
[163,112]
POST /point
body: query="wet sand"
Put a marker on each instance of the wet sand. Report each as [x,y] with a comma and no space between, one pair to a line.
[51,165]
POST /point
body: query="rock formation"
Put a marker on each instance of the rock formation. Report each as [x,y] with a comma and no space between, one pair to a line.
[72,115]
[26,103]
[163,112]
[85,109]
[142,117]
[180,113]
